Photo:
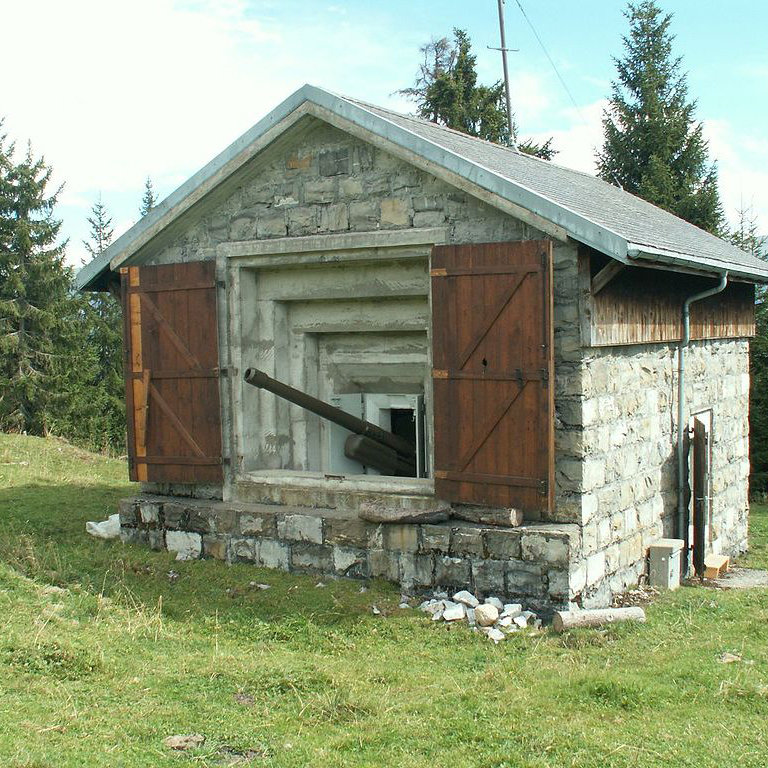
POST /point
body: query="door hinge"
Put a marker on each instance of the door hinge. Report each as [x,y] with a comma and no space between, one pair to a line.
[543,487]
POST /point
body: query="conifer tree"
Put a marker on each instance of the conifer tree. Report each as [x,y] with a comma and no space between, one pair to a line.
[746,237]
[149,201]
[653,146]
[446,92]
[104,427]
[36,312]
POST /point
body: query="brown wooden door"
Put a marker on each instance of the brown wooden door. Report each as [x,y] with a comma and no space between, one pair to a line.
[493,374]
[172,375]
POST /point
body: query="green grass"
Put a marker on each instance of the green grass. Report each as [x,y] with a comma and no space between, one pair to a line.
[102,657]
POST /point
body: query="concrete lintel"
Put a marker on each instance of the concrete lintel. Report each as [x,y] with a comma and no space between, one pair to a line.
[338,242]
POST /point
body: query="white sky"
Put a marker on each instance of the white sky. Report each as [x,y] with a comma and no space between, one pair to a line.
[111,92]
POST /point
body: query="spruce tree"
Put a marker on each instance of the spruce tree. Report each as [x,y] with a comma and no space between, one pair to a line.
[446,92]
[653,146]
[104,427]
[149,201]
[36,310]
[746,237]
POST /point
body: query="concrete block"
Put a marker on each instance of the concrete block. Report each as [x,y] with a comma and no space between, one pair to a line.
[488,577]
[175,515]
[334,218]
[149,513]
[128,511]
[503,544]
[271,224]
[435,538]
[334,162]
[302,220]
[452,572]
[215,546]
[394,213]
[273,554]
[416,570]
[401,538]
[428,219]
[243,548]
[548,550]
[225,520]
[350,188]
[523,578]
[156,539]
[346,559]
[383,564]
[320,191]
[187,546]
[595,568]
[467,541]
[301,528]
[364,215]
[347,532]
[312,557]
[559,586]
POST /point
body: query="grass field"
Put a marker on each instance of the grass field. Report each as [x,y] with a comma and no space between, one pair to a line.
[102,656]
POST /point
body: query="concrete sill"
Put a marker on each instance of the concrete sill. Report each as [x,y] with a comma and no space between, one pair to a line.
[412,486]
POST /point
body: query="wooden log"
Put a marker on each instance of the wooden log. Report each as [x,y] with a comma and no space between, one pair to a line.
[565,620]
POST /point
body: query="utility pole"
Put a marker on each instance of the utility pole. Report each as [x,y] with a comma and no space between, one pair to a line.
[504,50]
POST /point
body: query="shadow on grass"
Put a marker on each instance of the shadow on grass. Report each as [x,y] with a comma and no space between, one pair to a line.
[44,537]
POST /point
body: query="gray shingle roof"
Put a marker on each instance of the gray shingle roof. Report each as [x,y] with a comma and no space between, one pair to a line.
[591,211]
[629,216]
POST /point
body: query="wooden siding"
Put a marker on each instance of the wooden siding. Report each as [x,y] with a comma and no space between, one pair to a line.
[171,372]
[493,374]
[645,305]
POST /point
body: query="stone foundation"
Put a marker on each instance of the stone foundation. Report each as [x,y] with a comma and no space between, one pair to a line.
[530,562]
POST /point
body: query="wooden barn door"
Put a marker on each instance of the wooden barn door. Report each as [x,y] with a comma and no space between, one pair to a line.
[172,375]
[493,374]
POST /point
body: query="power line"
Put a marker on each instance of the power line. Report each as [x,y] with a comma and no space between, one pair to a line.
[560,78]
[546,53]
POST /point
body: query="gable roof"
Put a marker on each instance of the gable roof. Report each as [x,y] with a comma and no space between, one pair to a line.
[591,211]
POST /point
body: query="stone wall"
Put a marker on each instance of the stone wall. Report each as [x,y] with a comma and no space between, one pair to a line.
[530,562]
[626,432]
[326,181]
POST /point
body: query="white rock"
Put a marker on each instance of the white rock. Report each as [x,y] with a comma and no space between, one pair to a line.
[529,614]
[403,605]
[486,615]
[431,606]
[106,529]
[521,621]
[537,624]
[512,610]
[504,621]
[467,598]
[455,612]
[187,546]
[496,635]
[441,595]
[437,615]
[471,617]
[495,602]
[375,610]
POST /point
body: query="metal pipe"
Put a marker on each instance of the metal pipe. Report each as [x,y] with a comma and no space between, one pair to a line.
[506,73]
[259,379]
[682,528]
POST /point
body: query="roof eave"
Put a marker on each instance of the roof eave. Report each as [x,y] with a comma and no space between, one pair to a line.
[637,252]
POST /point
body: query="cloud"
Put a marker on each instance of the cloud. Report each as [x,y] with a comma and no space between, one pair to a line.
[580,138]
[742,160]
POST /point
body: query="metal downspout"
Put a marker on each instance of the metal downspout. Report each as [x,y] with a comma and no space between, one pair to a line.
[682,528]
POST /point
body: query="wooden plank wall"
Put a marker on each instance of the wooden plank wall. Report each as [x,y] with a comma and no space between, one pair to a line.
[645,305]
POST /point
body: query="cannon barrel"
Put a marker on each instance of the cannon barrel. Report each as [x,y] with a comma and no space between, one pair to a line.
[260,379]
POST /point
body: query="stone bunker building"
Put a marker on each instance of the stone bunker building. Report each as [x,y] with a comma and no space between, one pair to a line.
[519,325]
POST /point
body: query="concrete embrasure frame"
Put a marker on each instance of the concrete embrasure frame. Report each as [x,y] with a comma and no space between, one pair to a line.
[233,259]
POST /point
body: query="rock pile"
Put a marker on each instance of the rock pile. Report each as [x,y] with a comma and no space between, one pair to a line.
[492,617]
